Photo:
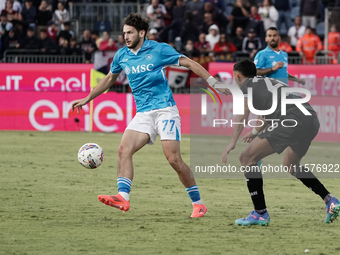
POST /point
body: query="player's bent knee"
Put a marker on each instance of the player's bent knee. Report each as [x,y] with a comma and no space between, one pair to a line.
[123,151]
[246,159]
[243,158]
[175,161]
[120,150]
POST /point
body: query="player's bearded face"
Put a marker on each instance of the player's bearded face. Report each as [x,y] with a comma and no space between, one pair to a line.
[132,37]
[133,41]
[274,42]
[272,39]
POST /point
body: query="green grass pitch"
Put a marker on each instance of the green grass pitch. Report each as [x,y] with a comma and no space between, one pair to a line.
[48,204]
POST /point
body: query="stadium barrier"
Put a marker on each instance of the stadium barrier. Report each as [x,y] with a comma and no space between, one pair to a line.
[66,77]
[103,59]
[22,108]
[326,107]
[35,56]
[294,58]
[325,57]
[323,81]
[42,77]
[51,111]
[76,77]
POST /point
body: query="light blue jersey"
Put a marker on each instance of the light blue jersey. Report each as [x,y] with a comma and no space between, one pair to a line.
[146,73]
[268,58]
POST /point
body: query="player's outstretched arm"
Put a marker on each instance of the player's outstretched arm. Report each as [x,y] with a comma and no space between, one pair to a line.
[238,128]
[293,78]
[195,67]
[201,72]
[102,86]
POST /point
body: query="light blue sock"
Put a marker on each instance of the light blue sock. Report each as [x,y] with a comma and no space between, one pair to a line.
[194,194]
[124,186]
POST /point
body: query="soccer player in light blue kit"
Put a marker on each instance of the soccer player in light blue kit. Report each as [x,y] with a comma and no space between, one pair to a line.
[144,63]
[272,62]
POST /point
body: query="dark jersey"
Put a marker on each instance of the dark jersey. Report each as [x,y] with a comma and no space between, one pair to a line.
[262,96]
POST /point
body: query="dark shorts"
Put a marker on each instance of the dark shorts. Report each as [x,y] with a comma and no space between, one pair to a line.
[298,138]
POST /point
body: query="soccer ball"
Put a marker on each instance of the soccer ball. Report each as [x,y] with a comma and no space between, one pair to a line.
[90,155]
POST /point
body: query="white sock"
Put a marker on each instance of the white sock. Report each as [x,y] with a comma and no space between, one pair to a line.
[125,195]
[199,202]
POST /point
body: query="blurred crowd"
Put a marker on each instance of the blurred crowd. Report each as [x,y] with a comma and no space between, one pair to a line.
[218,28]
[206,27]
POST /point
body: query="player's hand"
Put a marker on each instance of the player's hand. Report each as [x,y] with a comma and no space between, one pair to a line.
[278,65]
[248,138]
[302,81]
[226,152]
[79,104]
[223,90]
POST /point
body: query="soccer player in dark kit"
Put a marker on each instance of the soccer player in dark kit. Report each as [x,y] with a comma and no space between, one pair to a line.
[292,130]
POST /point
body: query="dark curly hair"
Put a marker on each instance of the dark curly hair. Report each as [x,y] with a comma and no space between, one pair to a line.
[137,21]
[246,67]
